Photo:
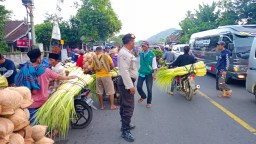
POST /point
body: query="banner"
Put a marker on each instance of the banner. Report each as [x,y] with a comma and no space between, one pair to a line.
[24,43]
[56,31]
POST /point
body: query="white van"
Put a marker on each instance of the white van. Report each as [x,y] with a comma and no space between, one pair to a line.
[178,49]
[251,72]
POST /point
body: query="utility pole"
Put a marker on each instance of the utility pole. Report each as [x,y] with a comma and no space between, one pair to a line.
[32,25]
[29,5]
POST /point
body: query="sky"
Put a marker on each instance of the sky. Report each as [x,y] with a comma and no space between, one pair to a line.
[144,18]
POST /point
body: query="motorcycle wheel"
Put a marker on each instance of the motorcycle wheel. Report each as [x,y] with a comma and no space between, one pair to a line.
[83,115]
[188,91]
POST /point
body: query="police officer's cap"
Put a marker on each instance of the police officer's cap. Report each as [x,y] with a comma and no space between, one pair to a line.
[127,38]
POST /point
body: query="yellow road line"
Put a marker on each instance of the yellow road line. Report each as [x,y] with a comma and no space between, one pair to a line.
[230,114]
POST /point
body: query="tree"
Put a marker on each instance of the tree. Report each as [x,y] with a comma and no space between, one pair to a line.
[44,33]
[245,10]
[4,15]
[239,11]
[203,19]
[69,31]
[116,40]
[98,20]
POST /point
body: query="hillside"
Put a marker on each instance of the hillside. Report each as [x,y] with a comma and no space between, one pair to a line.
[159,36]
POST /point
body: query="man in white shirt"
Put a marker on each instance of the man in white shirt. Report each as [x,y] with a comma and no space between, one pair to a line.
[58,68]
[128,74]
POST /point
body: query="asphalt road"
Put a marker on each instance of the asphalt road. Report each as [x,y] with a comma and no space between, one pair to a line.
[207,119]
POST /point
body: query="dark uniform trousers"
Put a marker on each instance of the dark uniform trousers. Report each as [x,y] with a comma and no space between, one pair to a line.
[126,102]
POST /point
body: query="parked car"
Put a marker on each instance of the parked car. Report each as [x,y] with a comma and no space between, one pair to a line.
[251,72]
[178,49]
[156,47]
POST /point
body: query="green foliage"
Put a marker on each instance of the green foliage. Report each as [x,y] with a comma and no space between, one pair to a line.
[224,12]
[116,40]
[3,47]
[69,32]
[203,19]
[158,53]
[44,33]
[98,20]
[4,15]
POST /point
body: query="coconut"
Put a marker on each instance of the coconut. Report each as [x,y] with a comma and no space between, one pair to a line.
[89,67]
[6,127]
[29,141]
[86,63]
[87,56]
[26,93]
[90,60]
[9,100]
[26,132]
[16,139]
[4,140]
[45,140]
[27,113]
[19,119]
[38,132]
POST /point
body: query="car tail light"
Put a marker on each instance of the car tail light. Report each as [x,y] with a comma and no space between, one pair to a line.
[212,68]
[192,76]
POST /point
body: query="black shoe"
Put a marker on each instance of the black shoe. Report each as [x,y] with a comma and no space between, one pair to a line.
[131,127]
[126,134]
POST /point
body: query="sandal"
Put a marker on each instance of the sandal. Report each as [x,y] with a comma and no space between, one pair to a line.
[114,107]
[141,100]
[149,105]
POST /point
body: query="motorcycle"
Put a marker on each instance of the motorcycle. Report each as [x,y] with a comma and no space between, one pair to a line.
[117,93]
[83,107]
[186,84]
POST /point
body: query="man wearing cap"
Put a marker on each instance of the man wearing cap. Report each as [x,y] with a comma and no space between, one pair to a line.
[107,49]
[80,60]
[128,74]
[102,64]
[113,56]
[74,54]
[58,68]
[222,67]
[168,56]
[7,70]
[36,77]
[147,71]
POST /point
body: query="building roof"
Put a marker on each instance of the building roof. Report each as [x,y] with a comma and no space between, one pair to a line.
[175,36]
[15,30]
